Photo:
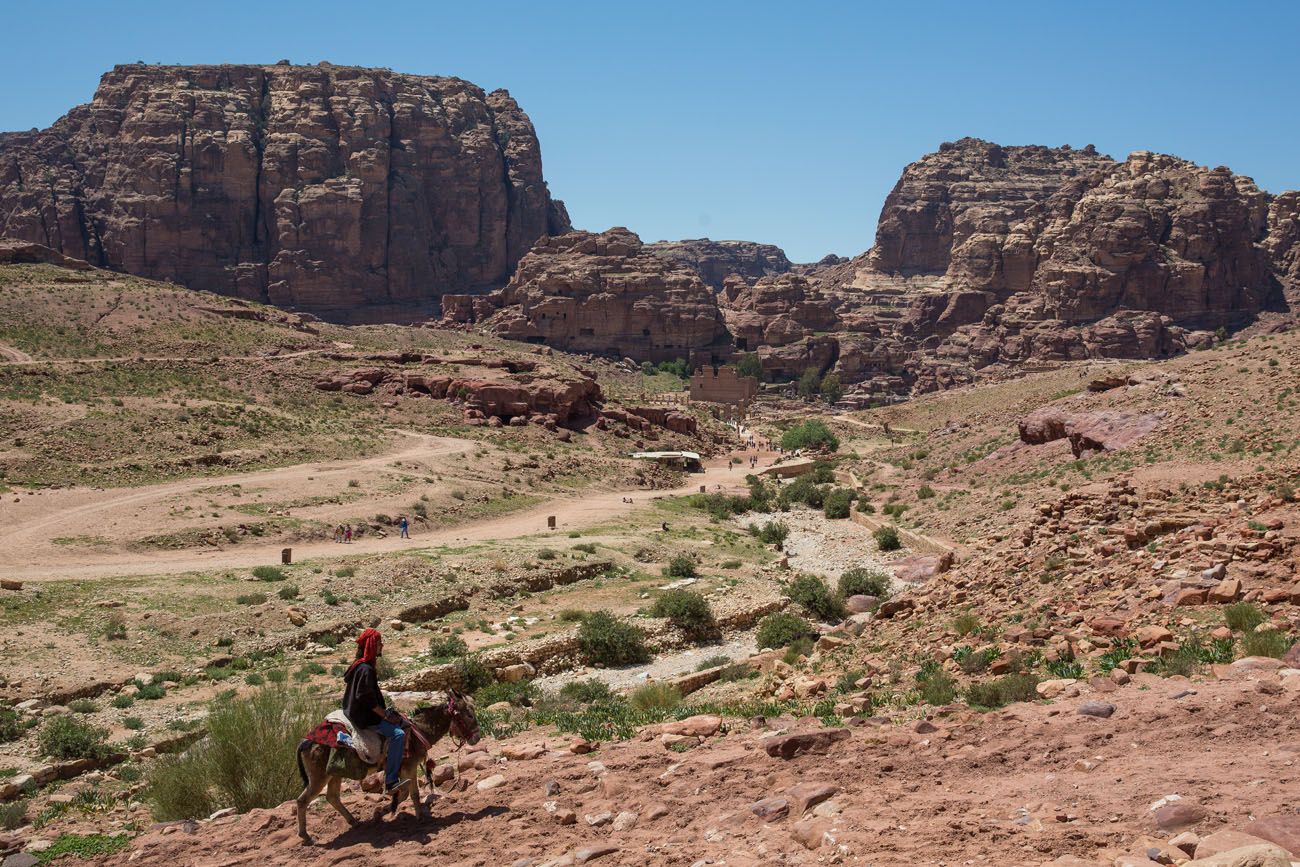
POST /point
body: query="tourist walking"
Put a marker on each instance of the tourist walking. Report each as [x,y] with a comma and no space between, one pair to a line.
[347,535]
[405,527]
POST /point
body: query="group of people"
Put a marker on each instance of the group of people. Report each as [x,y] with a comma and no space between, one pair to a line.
[343,532]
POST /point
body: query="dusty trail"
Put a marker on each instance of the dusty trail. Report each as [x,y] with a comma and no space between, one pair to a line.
[10,355]
[30,526]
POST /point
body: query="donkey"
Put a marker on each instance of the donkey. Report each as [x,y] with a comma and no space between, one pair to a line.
[455,717]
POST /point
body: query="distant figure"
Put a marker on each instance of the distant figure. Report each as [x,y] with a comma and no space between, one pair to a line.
[665,526]
[405,528]
[347,535]
[338,532]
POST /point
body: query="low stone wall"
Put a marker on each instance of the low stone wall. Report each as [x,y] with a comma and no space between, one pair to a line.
[914,541]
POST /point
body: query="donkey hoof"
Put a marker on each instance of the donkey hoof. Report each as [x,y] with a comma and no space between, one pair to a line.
[307,840]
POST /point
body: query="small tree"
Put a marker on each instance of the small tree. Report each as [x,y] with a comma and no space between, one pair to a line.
[782,629]
[810,383]
[887,538]
[811,592]
[750,365]
[809,434]
[865,582]
[831,390]
[680,566]
[838,502]
[688,611]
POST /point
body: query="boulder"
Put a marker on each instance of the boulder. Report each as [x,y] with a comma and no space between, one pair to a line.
[1266,855]
[791,745]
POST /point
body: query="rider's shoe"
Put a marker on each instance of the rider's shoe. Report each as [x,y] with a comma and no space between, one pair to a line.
[396,788]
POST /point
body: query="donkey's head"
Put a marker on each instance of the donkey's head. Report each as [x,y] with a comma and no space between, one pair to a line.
[464,722]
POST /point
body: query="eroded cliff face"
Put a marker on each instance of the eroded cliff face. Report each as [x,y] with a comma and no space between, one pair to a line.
[602,293]
[350,193]
[715,261]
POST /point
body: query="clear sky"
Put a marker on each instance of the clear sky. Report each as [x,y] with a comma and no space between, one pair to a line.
[786,123]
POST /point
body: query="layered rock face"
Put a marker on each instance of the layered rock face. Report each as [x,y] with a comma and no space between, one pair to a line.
[715,261]
[351,193]
[600,293]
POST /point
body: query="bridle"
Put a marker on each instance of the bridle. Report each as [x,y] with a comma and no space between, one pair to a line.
[456,729]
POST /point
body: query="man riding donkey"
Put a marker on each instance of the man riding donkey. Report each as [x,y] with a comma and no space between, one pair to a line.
[331,753]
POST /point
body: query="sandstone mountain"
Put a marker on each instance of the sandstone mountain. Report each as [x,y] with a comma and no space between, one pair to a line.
[602,293]
[351,193]
[984,256]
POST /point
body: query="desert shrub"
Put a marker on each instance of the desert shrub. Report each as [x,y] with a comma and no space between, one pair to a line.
[1268,643]
[1243,616]
[802,490]
[821,473]
[837,503]
[585,547]
[250,599]
[781,629]
[937,687]
[82,705]
[254,679]
[971,661]
[925,492]
[444,647]
[13,815]
[730,564]
[810,383]
[134,723]
[831,389]
[115,627]
[798,649]
[472,674]
[288,592]
[811,592]
[70,737]
[217,771]
[750,365]
[680,566]
[1065,667]
[606,640]
[965,624]
[678,367]
[1002,691]
[1122,649]
[811,434]
[546,554]
[865,582]
[737,671]
[149,691]
[571,615]
[345,572]
[772,533]
[721,506]
[887,538]
[269,573]
[655,696]
[587,691]
[520,694]
[688,611]
[121,701]
[712,662]
[11,724]
[84,846]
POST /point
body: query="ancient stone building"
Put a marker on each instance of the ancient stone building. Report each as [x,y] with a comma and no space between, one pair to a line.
[723,385]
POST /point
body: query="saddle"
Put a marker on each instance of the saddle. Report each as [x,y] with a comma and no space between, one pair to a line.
[366,748]
[368,743]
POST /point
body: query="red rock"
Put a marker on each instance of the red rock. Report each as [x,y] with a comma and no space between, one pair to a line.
[789,746]
[804,796]
[1281,830]
[811,833]
[701,725]
[771,809]
[276,183]
[1225,841]
[1087,431]
[1150,636]
[1228,590]
[1110,626]
[715,261]
[1178,816]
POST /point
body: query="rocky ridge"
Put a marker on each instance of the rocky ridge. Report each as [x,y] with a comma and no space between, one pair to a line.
[356,194]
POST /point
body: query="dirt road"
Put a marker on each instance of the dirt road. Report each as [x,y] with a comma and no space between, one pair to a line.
[30,525]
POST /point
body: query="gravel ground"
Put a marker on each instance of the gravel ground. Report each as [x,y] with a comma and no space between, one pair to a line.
[740,646]
[822,546]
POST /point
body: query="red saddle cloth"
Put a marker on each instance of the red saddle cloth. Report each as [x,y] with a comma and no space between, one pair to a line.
[326,734]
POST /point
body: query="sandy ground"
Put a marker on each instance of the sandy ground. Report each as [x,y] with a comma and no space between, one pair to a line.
[1017,787]
[31,523]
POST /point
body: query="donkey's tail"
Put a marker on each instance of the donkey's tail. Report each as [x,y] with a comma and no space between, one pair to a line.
[302,772]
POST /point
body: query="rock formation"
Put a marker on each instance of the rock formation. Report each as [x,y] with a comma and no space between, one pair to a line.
[351,193]
[715,261]
[600,293]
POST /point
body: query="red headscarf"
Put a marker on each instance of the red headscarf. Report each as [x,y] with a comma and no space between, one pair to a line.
[368,642]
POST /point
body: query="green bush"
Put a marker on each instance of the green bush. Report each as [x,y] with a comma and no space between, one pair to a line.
[269,573]
[965,624]
[750,365]
[121,701]
[250,599]
[865,581]
[446,647]
[587,691]
[473,674]
[218,770]
[134,723]
[772,533]
[680,566]
[11,724]
[811,434]
[1243,616]
[1268,643]
[345,572]
[831,389]
[838,502]
[288,592]
[811,592]
[712,662]
[887,538]
[810,383]
[821,473]
[802,490]
[655,696]
[678,367]
[70,737]
[688,611]
[782,629]
[606,640]
[938,688]
[149,691]
[82,705]
[1003,691]
[585,547]
[925,492]
[546,554]
[84,846]
[13,815]
[571,615]
[520,694]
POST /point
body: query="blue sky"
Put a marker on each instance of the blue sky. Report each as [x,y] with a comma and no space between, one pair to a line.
[786,123]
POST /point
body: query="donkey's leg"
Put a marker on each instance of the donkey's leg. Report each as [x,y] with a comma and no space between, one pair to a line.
[314,768]
[332,790]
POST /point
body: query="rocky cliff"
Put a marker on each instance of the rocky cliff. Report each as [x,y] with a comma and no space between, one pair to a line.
[715,261]
[351,193]
[601,293]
